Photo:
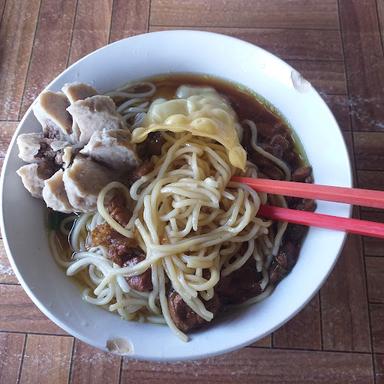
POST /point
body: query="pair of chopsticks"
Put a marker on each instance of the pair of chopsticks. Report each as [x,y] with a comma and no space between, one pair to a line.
[354,196]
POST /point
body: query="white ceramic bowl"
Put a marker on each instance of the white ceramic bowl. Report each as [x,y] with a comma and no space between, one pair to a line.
[23,217]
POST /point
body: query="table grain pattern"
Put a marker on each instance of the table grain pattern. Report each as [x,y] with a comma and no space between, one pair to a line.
[337,45]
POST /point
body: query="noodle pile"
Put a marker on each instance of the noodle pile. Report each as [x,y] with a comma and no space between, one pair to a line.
[188,217]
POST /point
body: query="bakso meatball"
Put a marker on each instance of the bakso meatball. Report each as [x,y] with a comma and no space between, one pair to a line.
[184,317]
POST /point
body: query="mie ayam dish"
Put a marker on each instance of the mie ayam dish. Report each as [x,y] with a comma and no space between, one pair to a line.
[145,214]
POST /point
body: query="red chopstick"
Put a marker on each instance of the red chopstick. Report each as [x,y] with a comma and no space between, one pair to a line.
[354,196]
[360,227]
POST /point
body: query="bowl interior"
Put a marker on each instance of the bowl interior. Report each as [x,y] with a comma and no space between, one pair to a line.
[24,217]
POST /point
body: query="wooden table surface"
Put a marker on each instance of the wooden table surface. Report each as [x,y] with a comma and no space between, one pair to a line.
[338,46]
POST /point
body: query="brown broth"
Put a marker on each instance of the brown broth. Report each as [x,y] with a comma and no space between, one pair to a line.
[244,102]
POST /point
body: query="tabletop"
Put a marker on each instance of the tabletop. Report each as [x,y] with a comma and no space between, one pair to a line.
[338,46]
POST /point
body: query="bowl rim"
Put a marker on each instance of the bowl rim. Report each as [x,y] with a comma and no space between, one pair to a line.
[50,313]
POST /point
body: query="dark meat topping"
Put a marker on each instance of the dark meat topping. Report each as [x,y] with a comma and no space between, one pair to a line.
[45,150]
[47,168]
[278,146]
[140,171]
[241,284]
[283,263]
[287,255]
[124,252]
[151,146]
[117,208]
[300,174]
[295,233]
[265,166]
[142,282]
[116,243]
[184,317]
[266,131]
